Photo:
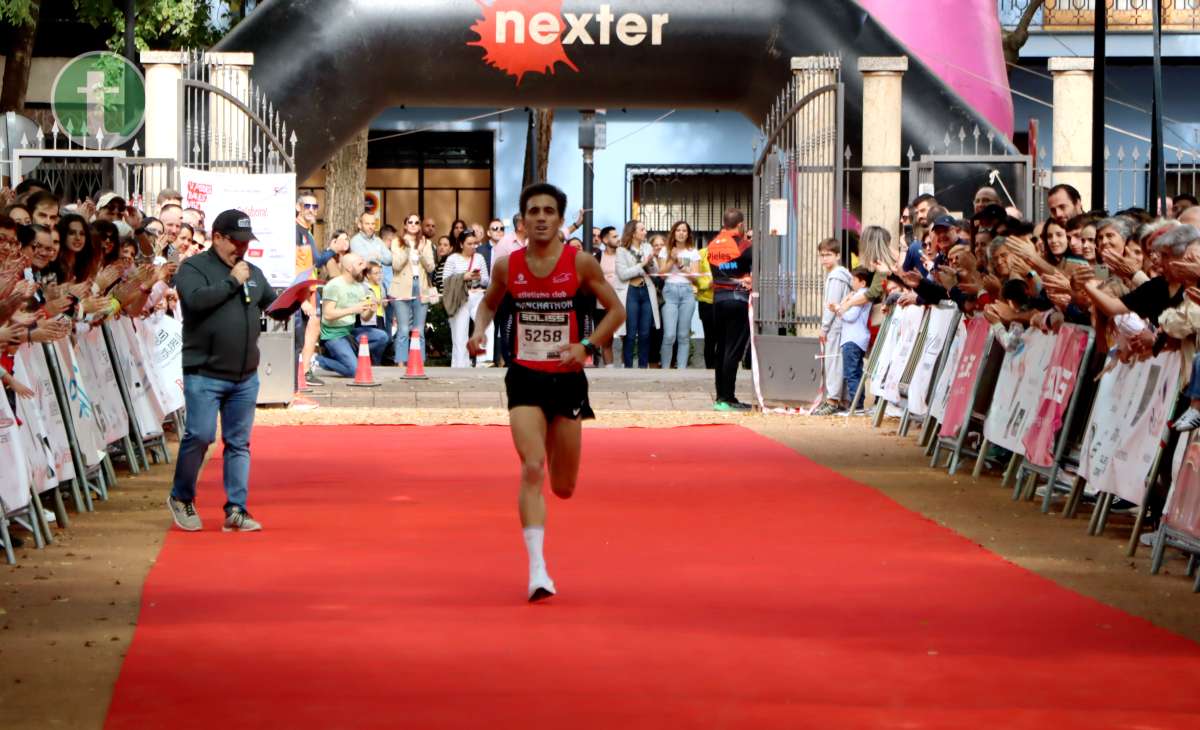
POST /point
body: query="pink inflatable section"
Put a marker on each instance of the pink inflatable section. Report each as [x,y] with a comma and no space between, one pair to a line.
[960,41]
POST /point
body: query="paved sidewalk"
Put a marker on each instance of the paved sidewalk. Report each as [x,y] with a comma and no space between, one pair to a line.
[610,389]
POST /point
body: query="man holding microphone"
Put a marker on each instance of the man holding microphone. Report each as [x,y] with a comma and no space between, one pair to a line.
[222,297]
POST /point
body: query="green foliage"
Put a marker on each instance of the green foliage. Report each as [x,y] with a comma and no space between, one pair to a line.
[161,24]
[16,12]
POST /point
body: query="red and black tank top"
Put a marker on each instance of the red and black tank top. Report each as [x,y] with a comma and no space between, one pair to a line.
[543,312]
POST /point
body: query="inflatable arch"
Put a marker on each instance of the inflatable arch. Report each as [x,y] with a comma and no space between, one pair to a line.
[331,67]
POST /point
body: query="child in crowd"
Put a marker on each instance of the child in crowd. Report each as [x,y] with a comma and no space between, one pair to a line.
[374,285]
[837,286]
[856,339]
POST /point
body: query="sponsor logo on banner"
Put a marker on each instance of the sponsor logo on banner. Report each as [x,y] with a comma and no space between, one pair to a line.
[532,36]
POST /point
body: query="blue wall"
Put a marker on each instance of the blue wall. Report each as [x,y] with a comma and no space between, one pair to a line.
[684,137]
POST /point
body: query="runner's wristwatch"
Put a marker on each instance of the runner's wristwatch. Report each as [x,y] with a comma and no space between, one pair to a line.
[591,347]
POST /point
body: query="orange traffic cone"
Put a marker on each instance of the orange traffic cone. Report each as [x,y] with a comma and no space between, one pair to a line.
[416,368]
[362,372]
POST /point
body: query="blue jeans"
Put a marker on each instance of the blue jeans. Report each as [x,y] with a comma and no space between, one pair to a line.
[205,398]
[678,307]
[343,352]
[410,315]
[852,370]
[1193,388]
[639,321]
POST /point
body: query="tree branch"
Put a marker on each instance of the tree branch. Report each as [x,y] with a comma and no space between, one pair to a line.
[1015,39]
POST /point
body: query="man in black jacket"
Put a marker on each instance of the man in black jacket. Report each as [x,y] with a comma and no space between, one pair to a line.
[222,297]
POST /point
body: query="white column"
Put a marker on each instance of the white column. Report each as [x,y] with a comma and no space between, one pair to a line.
[1073,124]
[883,87]
[163,71]
[815,147]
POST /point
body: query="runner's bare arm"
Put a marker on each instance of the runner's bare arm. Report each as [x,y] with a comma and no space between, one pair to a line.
[489,305]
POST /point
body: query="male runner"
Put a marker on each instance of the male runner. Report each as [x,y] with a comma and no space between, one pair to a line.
[546,287]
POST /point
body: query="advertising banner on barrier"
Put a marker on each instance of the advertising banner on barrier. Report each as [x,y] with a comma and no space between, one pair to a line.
[965,373]
[38,453]
[887,347]
[102,385]
[127,346]
[1183,503]
[87,430]
[1018,390]
[269,201]
[1132,406]
[167,335]
[1070,346]
[941,389]
[14,468]
[30,368]
[938,328]
[911,318]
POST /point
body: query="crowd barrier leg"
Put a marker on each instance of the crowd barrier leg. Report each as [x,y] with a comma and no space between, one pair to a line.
[6,539]
[1072,505]
[880,406]
[110,473]
[82,496]
[1160,550]
[931,443]
[980,458]
[1134,538]
[133,442]
[1010,472]
[1100,514]
[39,515]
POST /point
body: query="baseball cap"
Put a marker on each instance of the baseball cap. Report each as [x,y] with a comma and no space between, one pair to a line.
[234,224]
[944,221]
[108,199]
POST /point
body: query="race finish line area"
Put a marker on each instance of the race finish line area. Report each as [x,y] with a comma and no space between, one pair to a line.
[707,577]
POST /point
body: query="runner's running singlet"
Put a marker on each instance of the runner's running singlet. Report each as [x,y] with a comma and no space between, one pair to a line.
[544,310]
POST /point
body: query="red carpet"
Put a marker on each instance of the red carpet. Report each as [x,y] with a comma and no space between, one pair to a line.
[696,590]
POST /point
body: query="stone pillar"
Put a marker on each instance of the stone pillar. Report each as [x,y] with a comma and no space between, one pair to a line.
[164,69]
[883,85]
[815,152]
[1073,124]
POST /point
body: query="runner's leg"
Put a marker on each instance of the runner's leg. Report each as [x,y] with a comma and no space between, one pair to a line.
[529,436]
[528,425]
[563,448]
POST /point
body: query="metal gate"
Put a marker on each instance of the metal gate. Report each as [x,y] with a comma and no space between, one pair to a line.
[228,123]
[660,195]
[798,189]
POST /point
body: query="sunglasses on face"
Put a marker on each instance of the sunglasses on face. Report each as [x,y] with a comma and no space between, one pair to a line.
[496,228]
[412,223]
[310,206]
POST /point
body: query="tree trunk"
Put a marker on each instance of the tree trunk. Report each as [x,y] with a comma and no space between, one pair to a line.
[20,57]
[130,28]
[545,122]
[346,185]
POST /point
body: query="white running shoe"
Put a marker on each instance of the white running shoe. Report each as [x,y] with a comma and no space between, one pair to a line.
[1148,539]
[1189,421]
[540,586]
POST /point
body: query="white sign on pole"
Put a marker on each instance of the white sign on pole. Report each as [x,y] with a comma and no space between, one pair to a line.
[777,215]
[270,203]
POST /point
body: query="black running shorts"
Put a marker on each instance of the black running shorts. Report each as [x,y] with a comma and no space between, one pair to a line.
[557,394]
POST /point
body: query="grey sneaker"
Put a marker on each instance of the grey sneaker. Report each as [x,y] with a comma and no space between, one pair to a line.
[240,521]
[184,514]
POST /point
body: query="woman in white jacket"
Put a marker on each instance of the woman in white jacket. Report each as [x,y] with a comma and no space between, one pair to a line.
[474,271]
[635,263]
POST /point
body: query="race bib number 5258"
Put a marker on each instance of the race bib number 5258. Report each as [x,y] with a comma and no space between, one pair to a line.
[540,336]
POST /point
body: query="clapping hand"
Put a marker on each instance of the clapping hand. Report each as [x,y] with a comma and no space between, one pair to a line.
[1185,270]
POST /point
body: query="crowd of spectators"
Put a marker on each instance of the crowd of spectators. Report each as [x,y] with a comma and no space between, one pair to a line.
[64,265]
[1131,275]
[432,283]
